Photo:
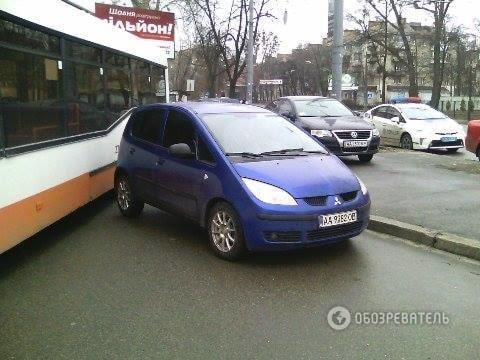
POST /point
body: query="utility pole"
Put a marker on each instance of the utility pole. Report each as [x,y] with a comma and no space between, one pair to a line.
[337,51]
[365,83]
[250,54]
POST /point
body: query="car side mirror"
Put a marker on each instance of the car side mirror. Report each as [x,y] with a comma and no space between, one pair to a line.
[182,151]
[395,119]
[357,113]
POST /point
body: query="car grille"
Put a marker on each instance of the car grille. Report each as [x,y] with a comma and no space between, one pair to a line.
[316,200]
[439,143]
[321,234]
[355,149]
[349,196]
[347,134]
[283,236]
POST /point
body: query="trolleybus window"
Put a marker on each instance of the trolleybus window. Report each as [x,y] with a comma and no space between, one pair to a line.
[46,95]
[31,39]
[30,90]
[82,52]
[85,100]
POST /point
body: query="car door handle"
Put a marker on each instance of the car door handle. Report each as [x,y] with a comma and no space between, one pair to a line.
[132,150]
[160,161]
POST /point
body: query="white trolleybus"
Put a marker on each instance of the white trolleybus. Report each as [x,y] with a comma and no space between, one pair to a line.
[68,82]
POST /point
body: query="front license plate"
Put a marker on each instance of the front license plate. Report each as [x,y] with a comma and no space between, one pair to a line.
[356,143]
[338,219]
[449,138]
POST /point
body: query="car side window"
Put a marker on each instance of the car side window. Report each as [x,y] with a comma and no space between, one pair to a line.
[383,112]
[147,125]
[179,129]
[203,152]
[284,107]
[393,112]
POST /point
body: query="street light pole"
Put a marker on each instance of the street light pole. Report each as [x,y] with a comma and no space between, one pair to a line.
[250,54]
[337,51]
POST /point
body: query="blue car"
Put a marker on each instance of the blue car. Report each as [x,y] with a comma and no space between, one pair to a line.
[253,179]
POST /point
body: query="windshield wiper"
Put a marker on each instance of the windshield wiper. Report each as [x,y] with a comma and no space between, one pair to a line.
[244,154]
[280,152]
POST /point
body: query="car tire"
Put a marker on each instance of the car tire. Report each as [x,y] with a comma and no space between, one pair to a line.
[365,158]
[126,200]
[225,232]
[451,151]
[406,142]
[478,154]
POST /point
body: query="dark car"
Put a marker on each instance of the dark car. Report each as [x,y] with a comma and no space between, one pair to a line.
[252,178]
[222,100]
[342,131]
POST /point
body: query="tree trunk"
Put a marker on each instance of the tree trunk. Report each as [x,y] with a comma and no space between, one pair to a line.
[232,87]
[437,63]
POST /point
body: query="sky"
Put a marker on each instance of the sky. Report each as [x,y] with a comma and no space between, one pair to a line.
[307,19]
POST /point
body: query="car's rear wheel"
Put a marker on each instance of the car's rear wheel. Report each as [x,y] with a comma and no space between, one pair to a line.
[478,154]
[364,158]
[451,151]
[127,203]
[225,232]
[406,142]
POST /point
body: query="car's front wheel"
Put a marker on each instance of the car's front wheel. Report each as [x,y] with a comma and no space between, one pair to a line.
[364,158]
[127,203]
[406,142]
[225,232]
[478,154]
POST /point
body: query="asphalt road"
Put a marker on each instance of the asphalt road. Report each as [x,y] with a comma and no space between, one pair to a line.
[437,190]
[97,285]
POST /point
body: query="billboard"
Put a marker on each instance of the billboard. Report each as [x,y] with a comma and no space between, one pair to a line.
[271,82]
[156,27]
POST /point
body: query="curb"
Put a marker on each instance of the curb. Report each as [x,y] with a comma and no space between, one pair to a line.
[433,238]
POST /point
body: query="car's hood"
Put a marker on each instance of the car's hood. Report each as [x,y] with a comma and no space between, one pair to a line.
[302,176]
[335,123]
[436,125]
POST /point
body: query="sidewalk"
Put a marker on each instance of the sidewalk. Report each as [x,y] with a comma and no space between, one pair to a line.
[431,190]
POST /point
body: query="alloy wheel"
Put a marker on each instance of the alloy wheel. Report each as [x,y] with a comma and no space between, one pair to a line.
[223,231]
[407,142]
[124,197]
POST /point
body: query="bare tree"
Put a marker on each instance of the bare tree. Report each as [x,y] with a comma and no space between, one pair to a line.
[399,24]
[231,34]
[439,10]
[153,4]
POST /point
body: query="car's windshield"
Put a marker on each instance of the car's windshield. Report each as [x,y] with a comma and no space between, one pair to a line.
[321,107]
[257,133]
[421,113]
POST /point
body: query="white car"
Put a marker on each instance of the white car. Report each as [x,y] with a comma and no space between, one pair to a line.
[416,126]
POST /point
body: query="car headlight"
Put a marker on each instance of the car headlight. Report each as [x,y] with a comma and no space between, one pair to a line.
[362,186]
[321,133]
[268,193]
[375,132]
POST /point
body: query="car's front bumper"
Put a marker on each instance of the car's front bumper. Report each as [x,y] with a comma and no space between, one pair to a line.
[334,146]
[434,142]
[283,231]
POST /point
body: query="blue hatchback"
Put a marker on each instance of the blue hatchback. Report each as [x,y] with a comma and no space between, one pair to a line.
[253,179]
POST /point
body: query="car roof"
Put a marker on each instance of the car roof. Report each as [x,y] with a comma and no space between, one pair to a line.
[206,107]
[412,105]
[299,97]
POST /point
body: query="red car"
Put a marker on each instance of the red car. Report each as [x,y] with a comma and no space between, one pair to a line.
[472,141]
